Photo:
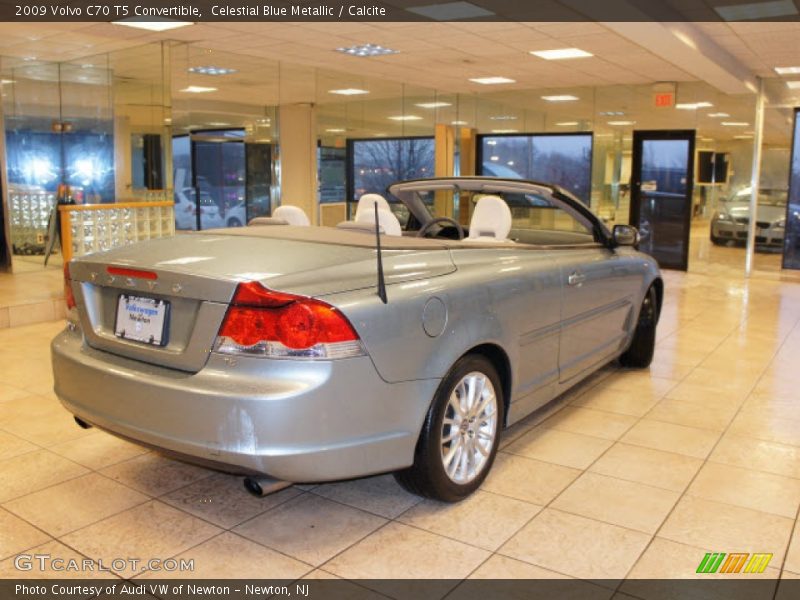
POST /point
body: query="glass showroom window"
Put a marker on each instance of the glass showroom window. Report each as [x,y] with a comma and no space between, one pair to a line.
[791,250]
[564,160]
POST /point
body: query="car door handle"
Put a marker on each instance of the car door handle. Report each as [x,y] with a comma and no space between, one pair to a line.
[576,278]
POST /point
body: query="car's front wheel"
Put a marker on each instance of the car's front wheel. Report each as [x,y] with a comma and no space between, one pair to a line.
[459,438]
[640,353]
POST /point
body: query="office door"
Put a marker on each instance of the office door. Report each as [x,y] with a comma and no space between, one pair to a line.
[662,177]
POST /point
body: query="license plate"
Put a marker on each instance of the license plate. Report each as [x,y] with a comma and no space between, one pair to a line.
[142,319]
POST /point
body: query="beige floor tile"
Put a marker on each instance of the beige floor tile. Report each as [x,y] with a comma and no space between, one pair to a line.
[749,489]
[10,392]
[793,555]
[310,528]
[398,551]
[11,446]
[559,447]
[591,422]
[692,415]
[705,394]
[616,501]
[40,420]
[34,471]
[707,524]
[527,479]
[503,567]
[80,502]
[154,474]
[46,569]
[759,455]
[17,535]
[98,450]
[576,546]
[772,428]
[670,437]
[229,556]
[638,380]
[666,470]
[223,500]
[148,531]
[634,403]
[484,519]
[380,495]
[732,381]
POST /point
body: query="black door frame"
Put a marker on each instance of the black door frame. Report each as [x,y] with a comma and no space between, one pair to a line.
[790,192]
[639,136]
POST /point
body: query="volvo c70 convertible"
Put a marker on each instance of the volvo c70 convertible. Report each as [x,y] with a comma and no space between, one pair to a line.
[313,354]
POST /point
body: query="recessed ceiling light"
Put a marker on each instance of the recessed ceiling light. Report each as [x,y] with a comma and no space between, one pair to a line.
[218,124]
[348,92]
[198,89]
[743,137]
[793,85]
[503,118]
[692,105]
[620,123]
[757,10]
[492,142]
[366,50]
[719,115]
[210,70]
[405,118]
[433,104]
[611,113]
[561,98]
[450,11]
[505,130]
[735,124]
[492,80]
[787,70]
[561,53]
[168,121]
[335,130]
[6,81]
[494,158]
[153,24]
[567,124]
[459,122]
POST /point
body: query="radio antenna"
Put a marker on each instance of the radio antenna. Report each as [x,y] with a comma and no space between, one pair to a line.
[381,280]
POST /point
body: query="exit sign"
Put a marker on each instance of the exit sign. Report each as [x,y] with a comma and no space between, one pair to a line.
[664,99]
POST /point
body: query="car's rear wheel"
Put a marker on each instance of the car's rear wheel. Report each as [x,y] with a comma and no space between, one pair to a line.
[640,353]
[459,438]
[717,241]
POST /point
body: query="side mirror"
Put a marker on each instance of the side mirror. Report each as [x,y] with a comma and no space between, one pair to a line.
[625,235]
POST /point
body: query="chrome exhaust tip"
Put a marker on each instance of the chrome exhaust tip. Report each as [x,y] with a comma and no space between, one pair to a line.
[263,485]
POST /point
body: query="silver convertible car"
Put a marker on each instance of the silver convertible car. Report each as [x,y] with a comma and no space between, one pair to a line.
[313,354]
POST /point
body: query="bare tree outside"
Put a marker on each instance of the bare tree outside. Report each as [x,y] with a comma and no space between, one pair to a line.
[379,163]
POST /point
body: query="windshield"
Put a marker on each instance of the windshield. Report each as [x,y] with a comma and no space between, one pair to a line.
[767,197]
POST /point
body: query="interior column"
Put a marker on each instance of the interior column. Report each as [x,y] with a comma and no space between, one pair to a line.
[298,157]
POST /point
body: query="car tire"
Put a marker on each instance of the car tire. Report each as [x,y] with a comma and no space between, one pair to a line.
[234,222]
[639,354]
[717,241]
[441,471]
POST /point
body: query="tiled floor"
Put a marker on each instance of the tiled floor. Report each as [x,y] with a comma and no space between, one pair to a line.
[636,476]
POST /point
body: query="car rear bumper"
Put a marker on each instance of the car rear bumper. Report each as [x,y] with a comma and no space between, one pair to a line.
[299,421]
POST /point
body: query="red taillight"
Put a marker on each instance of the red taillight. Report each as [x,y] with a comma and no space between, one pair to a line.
[69,297]
[136,273]
[260,315]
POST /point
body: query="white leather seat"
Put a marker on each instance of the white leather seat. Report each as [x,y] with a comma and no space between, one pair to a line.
[386,220]
[293,215]
[366,203]
[491,221]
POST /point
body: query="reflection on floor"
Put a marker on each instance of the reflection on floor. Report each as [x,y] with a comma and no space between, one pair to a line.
[33,293]
[636,476]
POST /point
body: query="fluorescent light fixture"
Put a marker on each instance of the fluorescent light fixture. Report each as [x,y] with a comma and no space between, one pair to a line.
[757,10]
[505,130]
[433,104]
[503,118]
[450,11]
[743,137]
[719,115]
[335,130]
[611,113]
[348,92]
[735,124]
[492,142]
[492,80]
[405,118]
[561,98]
[218,124]
[198,89]
[787,70]
[459,122]
[153,24]
[211,70]
[620,123]
[567,124]
[366,50]
[561,54]
[793,85]
[692,105]
[510,163]
[6,81]
[494,158]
